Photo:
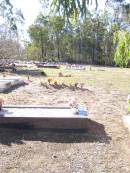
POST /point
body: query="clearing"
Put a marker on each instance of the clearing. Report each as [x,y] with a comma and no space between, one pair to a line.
[105,147]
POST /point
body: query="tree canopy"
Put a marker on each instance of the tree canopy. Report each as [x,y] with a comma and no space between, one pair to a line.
[11,15]
[122,53]
[96,38]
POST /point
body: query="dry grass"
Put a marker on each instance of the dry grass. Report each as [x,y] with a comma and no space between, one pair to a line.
[105,147]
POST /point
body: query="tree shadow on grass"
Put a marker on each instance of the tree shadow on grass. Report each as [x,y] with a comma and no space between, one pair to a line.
[30,72]
[19,134]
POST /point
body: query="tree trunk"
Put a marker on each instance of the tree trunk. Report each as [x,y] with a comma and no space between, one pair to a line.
[45,51]
[42,49]
[58,49]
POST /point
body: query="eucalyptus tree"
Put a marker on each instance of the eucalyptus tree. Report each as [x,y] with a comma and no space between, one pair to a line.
[10,47]
[39,34]
[70,9]
[120,11]
[56,26]
[10,15]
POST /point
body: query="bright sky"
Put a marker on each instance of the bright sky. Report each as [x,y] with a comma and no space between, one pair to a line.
[31,8]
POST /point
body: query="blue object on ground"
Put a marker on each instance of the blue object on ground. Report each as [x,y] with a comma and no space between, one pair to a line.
[82,110]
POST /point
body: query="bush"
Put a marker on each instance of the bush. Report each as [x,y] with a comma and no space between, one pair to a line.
[122,52]
[43,73]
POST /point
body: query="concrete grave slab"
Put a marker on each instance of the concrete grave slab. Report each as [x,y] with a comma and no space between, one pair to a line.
[42,117]
[7,83]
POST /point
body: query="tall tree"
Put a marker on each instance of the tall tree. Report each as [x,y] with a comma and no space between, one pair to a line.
[122,53]
[56,25]
[71,9]
[39,34]
[11,15]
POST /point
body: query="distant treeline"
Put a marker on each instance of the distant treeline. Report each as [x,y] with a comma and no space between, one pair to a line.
[101,38]
[90,41]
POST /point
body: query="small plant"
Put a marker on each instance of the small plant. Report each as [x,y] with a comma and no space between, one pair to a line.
[44,84]
[64,85]
[76,85]
[128,101]
[50,80]
[68,75]
[55,82]
[43,73]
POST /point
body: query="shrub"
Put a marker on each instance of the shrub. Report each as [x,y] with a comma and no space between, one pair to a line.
[43,73]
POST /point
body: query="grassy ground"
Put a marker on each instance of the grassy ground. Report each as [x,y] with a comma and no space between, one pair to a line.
[105,147]
[115,78]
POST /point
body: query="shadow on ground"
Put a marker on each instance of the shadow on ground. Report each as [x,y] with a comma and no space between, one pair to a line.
[29,72]
[95,132]
[64,86]
[14,88]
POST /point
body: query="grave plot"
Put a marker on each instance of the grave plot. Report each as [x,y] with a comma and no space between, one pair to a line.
[8,83]
[42,117]
[47,65]
[76,67]
[33,72]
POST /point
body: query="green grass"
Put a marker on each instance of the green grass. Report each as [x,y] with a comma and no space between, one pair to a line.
[107,77]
